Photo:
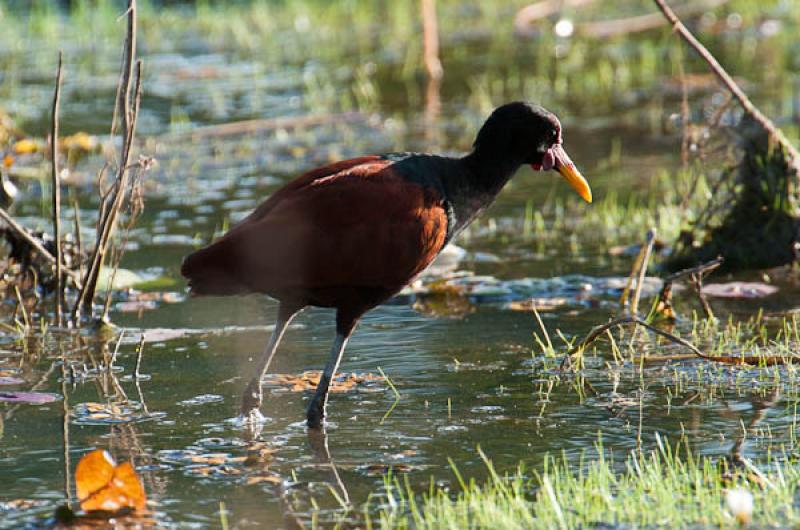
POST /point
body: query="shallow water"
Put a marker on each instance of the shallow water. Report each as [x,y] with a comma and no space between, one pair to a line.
[473,378]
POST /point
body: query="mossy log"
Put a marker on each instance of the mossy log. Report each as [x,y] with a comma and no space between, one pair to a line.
[757,223]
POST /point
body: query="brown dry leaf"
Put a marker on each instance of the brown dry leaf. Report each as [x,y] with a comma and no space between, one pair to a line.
[310,380]
[258,454]
[103,485]
[382,469]
[269,478]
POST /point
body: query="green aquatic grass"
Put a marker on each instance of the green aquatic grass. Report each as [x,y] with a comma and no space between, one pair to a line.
[334,40]
[664,488]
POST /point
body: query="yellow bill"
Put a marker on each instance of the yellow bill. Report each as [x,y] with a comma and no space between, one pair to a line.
[564,165]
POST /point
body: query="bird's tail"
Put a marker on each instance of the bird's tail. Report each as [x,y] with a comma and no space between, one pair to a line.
[210,271]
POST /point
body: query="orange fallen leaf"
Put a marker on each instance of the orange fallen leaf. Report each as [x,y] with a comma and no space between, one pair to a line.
[104,485]
[309,380]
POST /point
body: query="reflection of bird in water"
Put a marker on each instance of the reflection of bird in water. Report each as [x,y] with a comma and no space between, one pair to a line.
[351,234]
[8,191]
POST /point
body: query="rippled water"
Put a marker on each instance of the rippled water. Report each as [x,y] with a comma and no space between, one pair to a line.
[471,377]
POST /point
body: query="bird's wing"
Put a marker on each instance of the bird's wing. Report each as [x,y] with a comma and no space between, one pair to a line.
[359,225]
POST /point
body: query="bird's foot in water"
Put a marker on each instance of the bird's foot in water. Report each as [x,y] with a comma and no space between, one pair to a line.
[251,399]
[315,416]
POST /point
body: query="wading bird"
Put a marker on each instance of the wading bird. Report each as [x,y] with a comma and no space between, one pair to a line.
[351,234]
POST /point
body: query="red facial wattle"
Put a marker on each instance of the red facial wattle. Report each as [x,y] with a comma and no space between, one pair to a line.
[557,158]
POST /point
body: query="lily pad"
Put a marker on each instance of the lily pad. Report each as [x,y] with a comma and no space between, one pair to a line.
[123,279]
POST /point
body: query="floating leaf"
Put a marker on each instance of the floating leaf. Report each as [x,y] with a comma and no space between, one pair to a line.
[310,380]
[263,477]
[103,485]
[382,469]
[739,290]
[33,398]
[91,413]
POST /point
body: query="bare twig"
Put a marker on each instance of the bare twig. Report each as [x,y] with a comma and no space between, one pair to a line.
[704,268]
[729,83]
[56,191]
[139,354]
[696,275]
[76,213]
[107,222]
[697,283]
[648,249]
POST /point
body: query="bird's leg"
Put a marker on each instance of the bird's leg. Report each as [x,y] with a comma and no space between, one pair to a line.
[316,409]
[251,398]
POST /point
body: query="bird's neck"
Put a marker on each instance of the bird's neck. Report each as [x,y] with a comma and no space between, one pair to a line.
[490,171]
[480,179]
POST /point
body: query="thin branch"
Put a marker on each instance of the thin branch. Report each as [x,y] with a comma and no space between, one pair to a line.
[107,222]
[648,249]
[729,83]
[56,191]
[704,268]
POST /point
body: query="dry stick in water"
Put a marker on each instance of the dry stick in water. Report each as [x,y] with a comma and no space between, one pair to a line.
[56,184]
[76,213]
[108,220]
[697,274]
[636,273]
[648,250]
[729,83]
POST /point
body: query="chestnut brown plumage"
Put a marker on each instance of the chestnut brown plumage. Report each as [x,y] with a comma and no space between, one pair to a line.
[351,234]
